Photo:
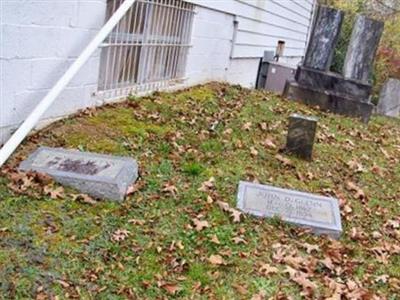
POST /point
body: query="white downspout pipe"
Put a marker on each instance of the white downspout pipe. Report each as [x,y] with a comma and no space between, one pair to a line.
[51,96]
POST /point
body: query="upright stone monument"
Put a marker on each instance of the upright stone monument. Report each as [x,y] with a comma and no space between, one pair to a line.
[389,100]
[323,38]
[361,52]
[101,176]
[320,214]
[301,135]
[315,85]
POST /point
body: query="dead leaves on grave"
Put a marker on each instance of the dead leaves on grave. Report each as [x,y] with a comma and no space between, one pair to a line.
[216,259]
[358,192]
[200,224]
[234,213]
[284,160]
[170,189]
[319,277]
[33,184]
[209,187]
[84,198]
[54,193]
[120,235]
[267,269]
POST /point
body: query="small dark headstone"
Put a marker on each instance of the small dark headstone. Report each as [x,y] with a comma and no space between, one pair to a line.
[301,135]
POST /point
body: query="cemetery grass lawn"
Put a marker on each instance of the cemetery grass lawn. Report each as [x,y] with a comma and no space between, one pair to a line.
[171,239]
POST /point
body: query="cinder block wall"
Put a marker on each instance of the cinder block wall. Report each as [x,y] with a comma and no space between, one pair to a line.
[39,40]
[209,58]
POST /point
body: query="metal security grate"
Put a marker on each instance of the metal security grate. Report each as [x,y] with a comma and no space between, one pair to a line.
[148,48]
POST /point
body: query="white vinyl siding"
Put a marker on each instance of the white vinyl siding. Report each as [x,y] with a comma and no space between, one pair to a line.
[262,23]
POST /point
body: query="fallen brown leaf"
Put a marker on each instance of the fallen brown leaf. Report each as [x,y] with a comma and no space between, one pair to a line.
[267,269]
[268,143]
[215,239]
[216,259]
[207,185]
[171,288]
[353,187]
[284,160]
[84,199]
[57,193]
[200,225]
[170,189]
[120,235]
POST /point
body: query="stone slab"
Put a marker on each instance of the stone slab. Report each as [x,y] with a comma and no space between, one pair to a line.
[389,100]
[362,48]
[328,101]
[354,89]
[101,176]
[320,214]
[323,39]
[301,135]
[263,68]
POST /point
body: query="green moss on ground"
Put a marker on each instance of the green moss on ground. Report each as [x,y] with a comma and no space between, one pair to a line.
[65,248]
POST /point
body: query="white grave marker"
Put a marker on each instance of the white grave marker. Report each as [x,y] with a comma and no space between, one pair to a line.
[319,213]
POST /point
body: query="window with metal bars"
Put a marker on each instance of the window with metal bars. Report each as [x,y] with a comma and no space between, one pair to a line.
[148,47]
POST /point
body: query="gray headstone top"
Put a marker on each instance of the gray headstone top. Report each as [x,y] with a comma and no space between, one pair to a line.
[362,48]
[320,214]
[323,39]
[99,175]
[308,118]
[268,55]
[389,100]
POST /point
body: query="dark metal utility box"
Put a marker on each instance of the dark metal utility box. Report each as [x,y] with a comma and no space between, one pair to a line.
[276,74]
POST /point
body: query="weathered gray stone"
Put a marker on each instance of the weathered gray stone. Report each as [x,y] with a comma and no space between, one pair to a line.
[349,88]
[389,100]
[263,69]
[301,135]
[328,101]
[320,214]
[361,52]
[323,38]
[101,176]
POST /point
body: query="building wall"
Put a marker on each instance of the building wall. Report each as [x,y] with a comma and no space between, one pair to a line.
[40,39]
[261,23]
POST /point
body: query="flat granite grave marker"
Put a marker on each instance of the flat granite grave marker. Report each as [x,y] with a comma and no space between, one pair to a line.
[301,135]
[320,214]
[101,176]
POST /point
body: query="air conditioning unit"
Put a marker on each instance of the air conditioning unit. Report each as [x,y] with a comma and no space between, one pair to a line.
[272,76]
